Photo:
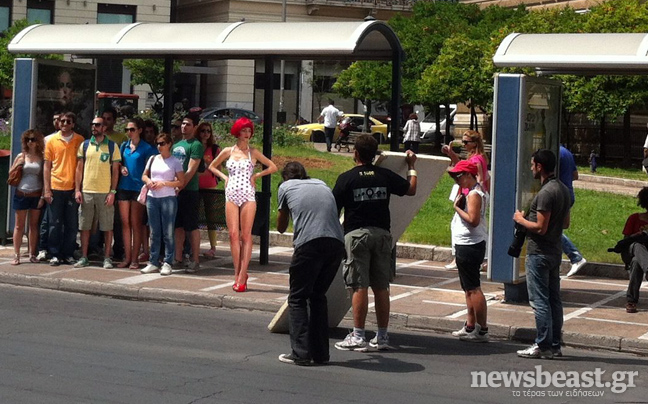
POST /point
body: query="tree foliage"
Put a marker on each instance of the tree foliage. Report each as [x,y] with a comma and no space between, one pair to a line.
[7,59]
[151,72]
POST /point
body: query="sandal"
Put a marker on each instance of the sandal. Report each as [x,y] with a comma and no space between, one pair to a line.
[631,307]
[134,265]
[33,259]
[143,257]
[211,253]
[16,260]
[123,264]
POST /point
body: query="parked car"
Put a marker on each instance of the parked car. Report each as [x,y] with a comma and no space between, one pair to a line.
[228,114]
[314,132]
[428,125]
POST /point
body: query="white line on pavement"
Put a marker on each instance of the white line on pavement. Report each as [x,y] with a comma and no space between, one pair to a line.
[605,320]
[411,264]
[443,303]
[645,336]
[137,279]
[458,314]
[61,271]
[418,290]
[584,310]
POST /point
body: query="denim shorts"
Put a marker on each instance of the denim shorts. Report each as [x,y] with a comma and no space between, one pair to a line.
[126,195]
[25,202]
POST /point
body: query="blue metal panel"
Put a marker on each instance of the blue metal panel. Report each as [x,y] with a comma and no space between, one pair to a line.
[24,99]
[506,115]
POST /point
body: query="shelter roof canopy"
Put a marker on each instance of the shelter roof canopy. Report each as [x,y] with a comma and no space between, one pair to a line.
[303,40]
[576,53]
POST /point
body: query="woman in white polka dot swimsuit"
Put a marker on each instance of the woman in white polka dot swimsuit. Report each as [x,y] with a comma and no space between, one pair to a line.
[240,186]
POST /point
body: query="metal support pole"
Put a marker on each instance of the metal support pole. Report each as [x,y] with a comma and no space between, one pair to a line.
[264,203]
[396,100]
[168,94]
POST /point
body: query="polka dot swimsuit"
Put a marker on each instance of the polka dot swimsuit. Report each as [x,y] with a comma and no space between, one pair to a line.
[239,188]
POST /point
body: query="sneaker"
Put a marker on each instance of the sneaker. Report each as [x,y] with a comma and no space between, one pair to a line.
[576,267]
[631,307]
[150,268]
[166,269]
[70,260]
[192,267]
[177,265]
[451,266]
[42,255]
[534,352]
[55,262]
[186,261]
[82,262]
[381,344]
[460,333]
[475,335]
[107,264]
[351,343]
[293,360]
[556,351]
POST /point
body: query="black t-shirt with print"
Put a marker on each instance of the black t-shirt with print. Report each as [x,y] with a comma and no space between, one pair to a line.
[364,193]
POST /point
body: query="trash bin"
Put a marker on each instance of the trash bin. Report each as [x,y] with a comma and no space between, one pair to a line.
[5,157]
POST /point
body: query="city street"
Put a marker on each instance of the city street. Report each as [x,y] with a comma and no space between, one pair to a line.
[69,348]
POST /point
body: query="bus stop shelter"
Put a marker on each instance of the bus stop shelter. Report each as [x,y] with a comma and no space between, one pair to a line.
[267,41]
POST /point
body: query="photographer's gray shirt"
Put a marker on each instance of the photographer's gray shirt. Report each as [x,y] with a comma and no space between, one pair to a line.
[553,197]
[312,208]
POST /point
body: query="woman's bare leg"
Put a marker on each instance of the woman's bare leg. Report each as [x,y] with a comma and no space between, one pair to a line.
[232,220]
[19,230]
[248,211]
[34,218]
[136,214]
[124,213]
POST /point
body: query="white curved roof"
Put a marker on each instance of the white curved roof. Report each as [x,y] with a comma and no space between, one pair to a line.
[303,40]
[575,53]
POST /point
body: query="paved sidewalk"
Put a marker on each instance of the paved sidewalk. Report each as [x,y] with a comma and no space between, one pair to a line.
[425,296]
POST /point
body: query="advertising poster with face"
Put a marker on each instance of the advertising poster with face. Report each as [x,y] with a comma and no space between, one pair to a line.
[65,87]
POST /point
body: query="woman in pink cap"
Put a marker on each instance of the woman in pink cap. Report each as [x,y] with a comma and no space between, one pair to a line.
[469,236]
[240,188]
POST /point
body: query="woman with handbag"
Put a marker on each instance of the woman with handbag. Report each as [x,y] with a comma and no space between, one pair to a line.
[162,175]
[27,175]
[135,153]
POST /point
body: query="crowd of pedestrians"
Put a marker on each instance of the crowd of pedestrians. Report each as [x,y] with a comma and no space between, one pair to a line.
[141,187]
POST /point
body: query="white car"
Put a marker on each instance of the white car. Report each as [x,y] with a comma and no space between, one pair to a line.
[428,125]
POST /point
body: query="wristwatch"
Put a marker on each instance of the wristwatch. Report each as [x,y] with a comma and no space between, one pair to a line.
[112,191]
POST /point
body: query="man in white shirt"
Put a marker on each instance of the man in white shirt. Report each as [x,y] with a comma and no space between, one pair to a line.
[330,115]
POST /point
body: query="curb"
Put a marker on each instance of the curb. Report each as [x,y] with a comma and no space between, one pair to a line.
[397,320]
[612,181]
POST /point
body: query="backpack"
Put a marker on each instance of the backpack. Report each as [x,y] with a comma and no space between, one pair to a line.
[111,148]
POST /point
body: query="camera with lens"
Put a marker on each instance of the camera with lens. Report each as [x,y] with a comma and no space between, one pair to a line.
[518,241]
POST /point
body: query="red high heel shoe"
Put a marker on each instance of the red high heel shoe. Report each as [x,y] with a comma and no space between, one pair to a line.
[240,287]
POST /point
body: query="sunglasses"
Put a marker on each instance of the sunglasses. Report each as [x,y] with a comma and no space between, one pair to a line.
[467,141]
[457,176]
[66,121]
[131,129]
[160,144]
[30,139]
[97,124]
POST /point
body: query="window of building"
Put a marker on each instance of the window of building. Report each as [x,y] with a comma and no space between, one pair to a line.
[41,11]
[290,82]
[5,14]
[115,14]
[110,71]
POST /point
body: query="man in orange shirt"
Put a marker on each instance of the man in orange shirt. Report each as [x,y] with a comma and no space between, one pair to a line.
[59,171]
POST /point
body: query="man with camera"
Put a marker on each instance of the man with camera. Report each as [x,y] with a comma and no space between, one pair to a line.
[548,216]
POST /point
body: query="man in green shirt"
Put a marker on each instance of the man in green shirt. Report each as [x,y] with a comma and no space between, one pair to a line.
[189,151]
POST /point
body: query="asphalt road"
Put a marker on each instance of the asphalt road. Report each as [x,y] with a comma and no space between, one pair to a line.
[68,348]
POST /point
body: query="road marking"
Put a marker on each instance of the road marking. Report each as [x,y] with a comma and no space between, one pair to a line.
[645,336]
[444,303]
[584,310]
[137,279]
[62,271]
[605,320]
[490,301]
[417,291]
[221,286]
[411,264]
